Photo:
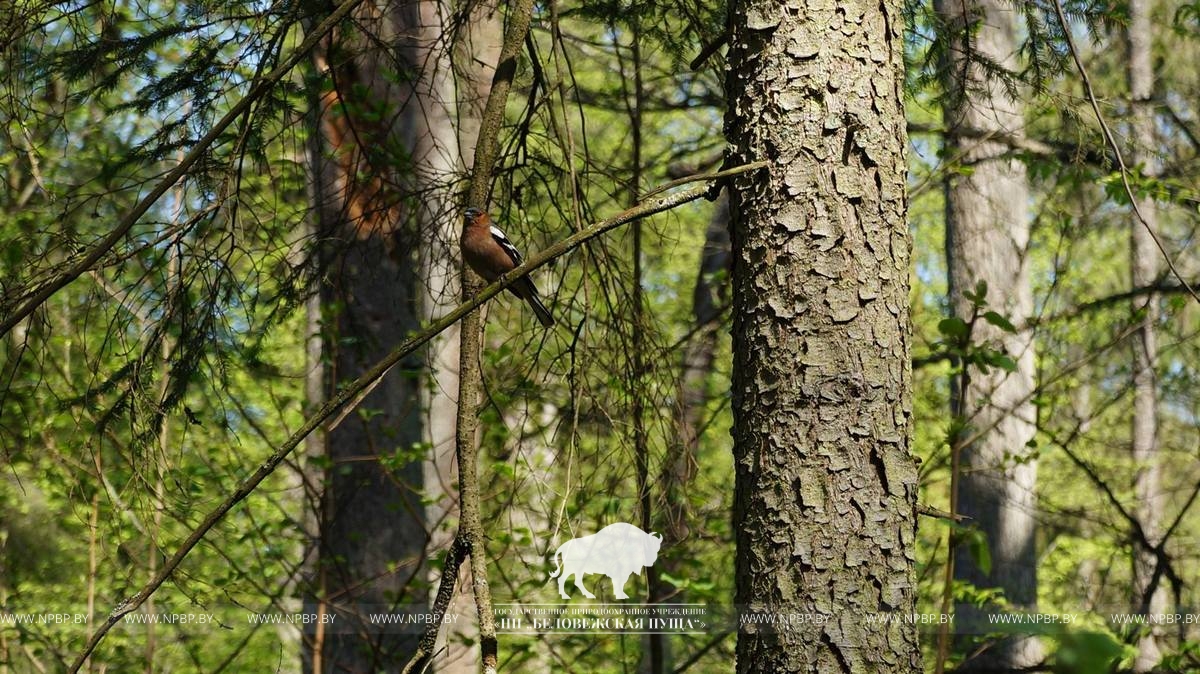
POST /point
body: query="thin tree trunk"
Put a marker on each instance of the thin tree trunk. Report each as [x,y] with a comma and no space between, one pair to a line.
[1144,262]
[824,508]
[453,90]
[315,377]
[679,465]
[987,236]
[699,355]
[700,352]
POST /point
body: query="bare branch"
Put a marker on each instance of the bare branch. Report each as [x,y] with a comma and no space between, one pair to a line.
[1112,143]
[256,92]
[351,394]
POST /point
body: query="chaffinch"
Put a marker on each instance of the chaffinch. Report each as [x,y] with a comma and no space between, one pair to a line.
[491,254]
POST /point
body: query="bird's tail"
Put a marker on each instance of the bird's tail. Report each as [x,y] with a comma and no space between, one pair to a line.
[525,289]
[543,314]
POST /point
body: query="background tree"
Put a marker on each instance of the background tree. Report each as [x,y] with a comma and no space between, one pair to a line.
[372,523]
[160,241]
[1149,595]
[399,124]
[987,241]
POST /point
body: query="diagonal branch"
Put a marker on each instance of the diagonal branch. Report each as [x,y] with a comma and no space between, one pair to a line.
[352,393]
[1116,150]
[202,146]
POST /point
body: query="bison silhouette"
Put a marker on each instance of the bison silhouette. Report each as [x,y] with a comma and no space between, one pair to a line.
[616,551]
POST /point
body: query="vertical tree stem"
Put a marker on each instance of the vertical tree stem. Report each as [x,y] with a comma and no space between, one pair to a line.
[487,150]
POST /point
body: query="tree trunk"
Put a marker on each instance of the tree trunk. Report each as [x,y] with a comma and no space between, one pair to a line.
[372,524]
[679,465]
[987,235]
[453,89]
[698,358]
[824,508]
[1147,598]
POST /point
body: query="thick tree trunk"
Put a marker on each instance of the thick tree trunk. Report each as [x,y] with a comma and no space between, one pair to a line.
[373,528]
[987,236]
[372,524]
[825,488]
[1146,597]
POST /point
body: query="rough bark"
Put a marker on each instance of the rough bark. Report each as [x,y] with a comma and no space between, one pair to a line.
[824,509]
[1144,264]
[987,235]
[372,528]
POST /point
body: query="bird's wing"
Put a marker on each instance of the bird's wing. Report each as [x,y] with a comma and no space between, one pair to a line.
[507,245]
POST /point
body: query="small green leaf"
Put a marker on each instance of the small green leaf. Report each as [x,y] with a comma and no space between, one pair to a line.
[999,321]
[979,296]
[672,580]
[1003,362]
[978,545]
[954,327]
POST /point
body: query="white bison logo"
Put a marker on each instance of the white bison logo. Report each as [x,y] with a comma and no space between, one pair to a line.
[616,551]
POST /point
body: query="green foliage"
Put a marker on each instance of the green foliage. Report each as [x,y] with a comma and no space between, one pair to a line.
[977,545]
[1183,658]
[957,344]
[142,393]
[1082,652]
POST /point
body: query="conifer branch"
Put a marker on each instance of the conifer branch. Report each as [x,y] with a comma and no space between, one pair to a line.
[257,91]
[356,390]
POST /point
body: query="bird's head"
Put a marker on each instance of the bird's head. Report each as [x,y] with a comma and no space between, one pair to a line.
[471,215]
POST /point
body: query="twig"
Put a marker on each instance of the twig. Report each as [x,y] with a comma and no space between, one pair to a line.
[256,92]
[351,394]
[427,647]
[1116,150]
[658,190]
[709,49]
[930,511]
[706,176]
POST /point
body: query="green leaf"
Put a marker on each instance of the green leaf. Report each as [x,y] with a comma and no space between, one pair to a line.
[1002,361]
[979,296]
[1114,189]
[999,321]
[978,546]
[954,327]
[1086,652]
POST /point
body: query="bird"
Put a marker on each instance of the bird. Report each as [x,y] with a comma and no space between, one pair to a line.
[489,252]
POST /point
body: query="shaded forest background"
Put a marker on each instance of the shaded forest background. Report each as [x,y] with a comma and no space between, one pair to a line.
[216,214]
